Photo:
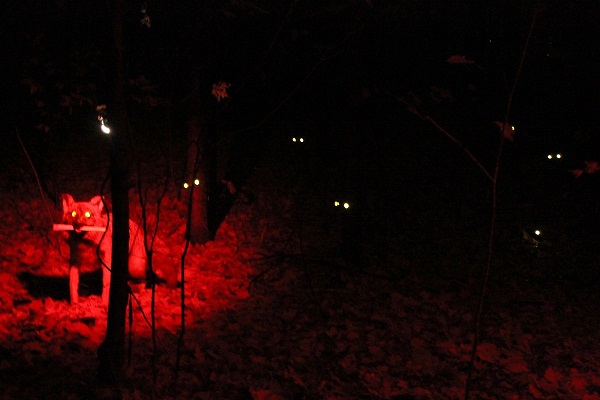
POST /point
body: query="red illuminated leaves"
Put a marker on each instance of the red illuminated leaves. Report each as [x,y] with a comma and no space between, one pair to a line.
[377,339]
[591,167]
[459,59]
[488,352]
[507,130]
[32,85]
[553,378]
[219,90]
[562,384]
[515,363]
[264,394]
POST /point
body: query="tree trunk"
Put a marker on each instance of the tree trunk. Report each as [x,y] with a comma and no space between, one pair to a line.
[197,167]
[111,352]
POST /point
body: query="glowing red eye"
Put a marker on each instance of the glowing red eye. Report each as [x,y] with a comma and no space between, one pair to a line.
[73,214]
[87,214]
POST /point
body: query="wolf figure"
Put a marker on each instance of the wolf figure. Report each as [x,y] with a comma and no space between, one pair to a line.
[83,245]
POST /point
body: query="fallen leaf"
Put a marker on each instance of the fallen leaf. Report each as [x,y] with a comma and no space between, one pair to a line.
[535,392]
[459,59]
[488,352]
[592,167]
[578,382]
[264,394]
[552,376]
[219,90]
[593,396]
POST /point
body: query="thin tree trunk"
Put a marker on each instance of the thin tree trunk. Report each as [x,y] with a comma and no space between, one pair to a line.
[197,168]
[111,352]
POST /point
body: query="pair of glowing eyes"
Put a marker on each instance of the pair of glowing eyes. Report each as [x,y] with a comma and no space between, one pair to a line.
[187,185]
[295,140]
[558,156]
[346,205]
[86,214]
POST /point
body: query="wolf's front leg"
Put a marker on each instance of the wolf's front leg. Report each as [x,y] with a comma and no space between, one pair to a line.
[74,284]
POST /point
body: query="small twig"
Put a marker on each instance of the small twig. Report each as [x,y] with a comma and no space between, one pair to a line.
[137,301]
[37,178]
[442,130]
[485,283]
[285,99]
[494,181]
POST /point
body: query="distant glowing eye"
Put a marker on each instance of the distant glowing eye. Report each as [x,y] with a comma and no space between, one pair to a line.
[336,203]
[293,139]
[73,214]
[549,156]
[559,155]
[185,185]
[346,205]
[301,140]
[196,182]
[537,232]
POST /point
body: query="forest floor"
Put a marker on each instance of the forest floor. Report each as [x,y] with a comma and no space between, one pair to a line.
[272,311]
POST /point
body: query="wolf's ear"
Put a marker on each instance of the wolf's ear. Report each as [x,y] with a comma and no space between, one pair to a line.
[67,202]
[96,201]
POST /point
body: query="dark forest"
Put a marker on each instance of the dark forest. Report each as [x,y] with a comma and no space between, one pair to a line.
[247,199]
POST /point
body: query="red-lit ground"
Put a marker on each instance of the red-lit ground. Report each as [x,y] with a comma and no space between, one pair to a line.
[272,313]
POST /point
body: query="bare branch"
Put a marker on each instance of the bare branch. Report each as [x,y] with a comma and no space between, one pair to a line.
[444,131]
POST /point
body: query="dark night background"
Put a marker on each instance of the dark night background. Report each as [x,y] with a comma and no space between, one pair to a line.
[339,74]
[361,54]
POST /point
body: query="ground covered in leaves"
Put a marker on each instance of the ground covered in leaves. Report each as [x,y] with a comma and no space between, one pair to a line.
[272,311]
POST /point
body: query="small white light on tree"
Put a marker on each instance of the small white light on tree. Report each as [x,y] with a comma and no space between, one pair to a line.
[537,232]
[196,182]
[346,205]
[185,185]
[293,139]
[103,127]
[301,140]
[336,203]
[559,155]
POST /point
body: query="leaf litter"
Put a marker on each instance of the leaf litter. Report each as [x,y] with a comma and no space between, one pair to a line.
[272,313]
